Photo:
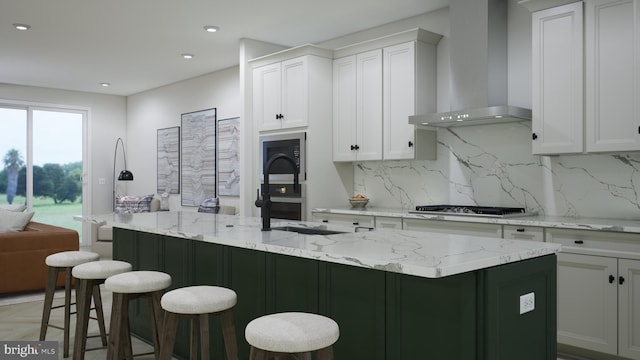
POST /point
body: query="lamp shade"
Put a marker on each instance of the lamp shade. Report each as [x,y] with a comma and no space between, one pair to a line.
[125,175]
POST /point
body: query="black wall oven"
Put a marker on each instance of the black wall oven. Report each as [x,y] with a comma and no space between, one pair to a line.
[286,203]
[292,144]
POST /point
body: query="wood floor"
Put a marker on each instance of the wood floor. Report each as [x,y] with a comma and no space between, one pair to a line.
[22,322]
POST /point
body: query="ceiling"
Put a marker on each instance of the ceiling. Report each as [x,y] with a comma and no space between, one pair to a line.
[136,45]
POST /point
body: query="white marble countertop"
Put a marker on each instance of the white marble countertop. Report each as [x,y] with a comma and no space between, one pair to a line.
[618,225]
[424,254]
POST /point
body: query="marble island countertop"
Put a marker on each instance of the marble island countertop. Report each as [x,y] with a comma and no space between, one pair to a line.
[576,223]
[424,254]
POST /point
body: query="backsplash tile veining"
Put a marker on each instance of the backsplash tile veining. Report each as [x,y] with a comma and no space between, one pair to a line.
[492,165]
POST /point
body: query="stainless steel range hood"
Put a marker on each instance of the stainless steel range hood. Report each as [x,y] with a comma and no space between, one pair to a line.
[478,63]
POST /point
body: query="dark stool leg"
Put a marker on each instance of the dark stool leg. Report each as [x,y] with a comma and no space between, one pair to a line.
[169,327]
[257,354]
[325,353]
[67,311]
[48,301]
[229,334]
[204,336]
[97,301]
[193,342]
[115,329]
[156,321]
[84,289]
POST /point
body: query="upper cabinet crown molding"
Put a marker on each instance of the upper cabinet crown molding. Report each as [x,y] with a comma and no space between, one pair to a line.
[416,34]
[537,5]
[307,49]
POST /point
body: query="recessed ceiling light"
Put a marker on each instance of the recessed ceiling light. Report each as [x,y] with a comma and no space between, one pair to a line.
[188,56]
[211,28]
[104,84]
[22,26]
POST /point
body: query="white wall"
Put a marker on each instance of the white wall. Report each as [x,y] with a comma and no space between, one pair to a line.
[107,121]
[161,108]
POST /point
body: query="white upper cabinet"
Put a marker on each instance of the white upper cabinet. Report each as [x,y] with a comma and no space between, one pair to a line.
[357,107]
[408,89]
[377,85]
[608,119]
[280,94]
[557,81]
[613,75]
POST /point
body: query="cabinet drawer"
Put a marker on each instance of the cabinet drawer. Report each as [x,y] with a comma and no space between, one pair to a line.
[531,233]
[454,227]
[388,222]
[591,242]
[343,219]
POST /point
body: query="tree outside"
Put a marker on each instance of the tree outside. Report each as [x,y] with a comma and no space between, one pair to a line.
[12,164]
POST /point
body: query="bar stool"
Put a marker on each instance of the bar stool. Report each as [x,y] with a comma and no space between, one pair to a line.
[292,333]
[197,303]
[89,276]
[63,262]
[126,287]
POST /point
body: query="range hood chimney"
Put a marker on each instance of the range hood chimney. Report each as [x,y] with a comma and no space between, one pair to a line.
[478,59]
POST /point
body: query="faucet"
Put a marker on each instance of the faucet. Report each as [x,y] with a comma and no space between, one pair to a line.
[265,203]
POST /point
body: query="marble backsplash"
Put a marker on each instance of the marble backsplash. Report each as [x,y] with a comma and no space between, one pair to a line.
[492,165]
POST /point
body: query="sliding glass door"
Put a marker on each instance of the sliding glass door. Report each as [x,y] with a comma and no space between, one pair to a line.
[42,149]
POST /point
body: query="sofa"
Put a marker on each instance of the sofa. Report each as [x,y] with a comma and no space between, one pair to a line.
[22,255]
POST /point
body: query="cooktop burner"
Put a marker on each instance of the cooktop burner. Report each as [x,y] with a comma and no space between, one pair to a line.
[493,211]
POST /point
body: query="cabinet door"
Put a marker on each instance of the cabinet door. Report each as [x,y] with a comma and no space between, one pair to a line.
[629,311]
[557,81]
[267,96]
[388,222]
[587,302]
[295,92]
[344,108]
[399,94]
[369,105]
[613,75]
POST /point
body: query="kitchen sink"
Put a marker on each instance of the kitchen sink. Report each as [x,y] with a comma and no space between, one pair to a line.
[308,230]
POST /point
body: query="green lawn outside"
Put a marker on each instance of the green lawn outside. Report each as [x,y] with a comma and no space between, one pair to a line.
[46,211]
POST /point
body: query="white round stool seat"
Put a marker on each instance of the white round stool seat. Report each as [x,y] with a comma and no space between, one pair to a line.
[70,258]
[202,299]
[292,332]
[101,269]
[137,282]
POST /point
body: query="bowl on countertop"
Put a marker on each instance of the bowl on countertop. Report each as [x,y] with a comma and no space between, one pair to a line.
[358,203]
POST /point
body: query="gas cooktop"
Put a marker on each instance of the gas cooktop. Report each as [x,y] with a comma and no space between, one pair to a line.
[485,211]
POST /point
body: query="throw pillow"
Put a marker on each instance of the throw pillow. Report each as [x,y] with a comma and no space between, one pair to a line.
[12,221]
[17,208]
[131,204]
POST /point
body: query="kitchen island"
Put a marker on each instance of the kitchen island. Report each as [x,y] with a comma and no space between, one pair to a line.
[395,294]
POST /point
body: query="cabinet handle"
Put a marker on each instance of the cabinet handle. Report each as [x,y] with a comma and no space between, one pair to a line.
[534,136]
[357,147]
[579,242]
[520,229]
[621,280]
[356,223]
[611,279]
[325,221]
[279,116]
[410,143]
[353,147]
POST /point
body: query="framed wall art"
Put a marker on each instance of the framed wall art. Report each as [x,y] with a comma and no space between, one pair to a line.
[198,155]
[168,169]
[228,157]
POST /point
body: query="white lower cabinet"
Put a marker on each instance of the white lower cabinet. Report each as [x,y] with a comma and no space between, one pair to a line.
[599,291]
[453,227]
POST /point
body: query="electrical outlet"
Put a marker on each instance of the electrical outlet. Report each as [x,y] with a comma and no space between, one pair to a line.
[527,302]
[101,181]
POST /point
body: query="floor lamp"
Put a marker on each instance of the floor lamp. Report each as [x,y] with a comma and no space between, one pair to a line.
[125,175]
